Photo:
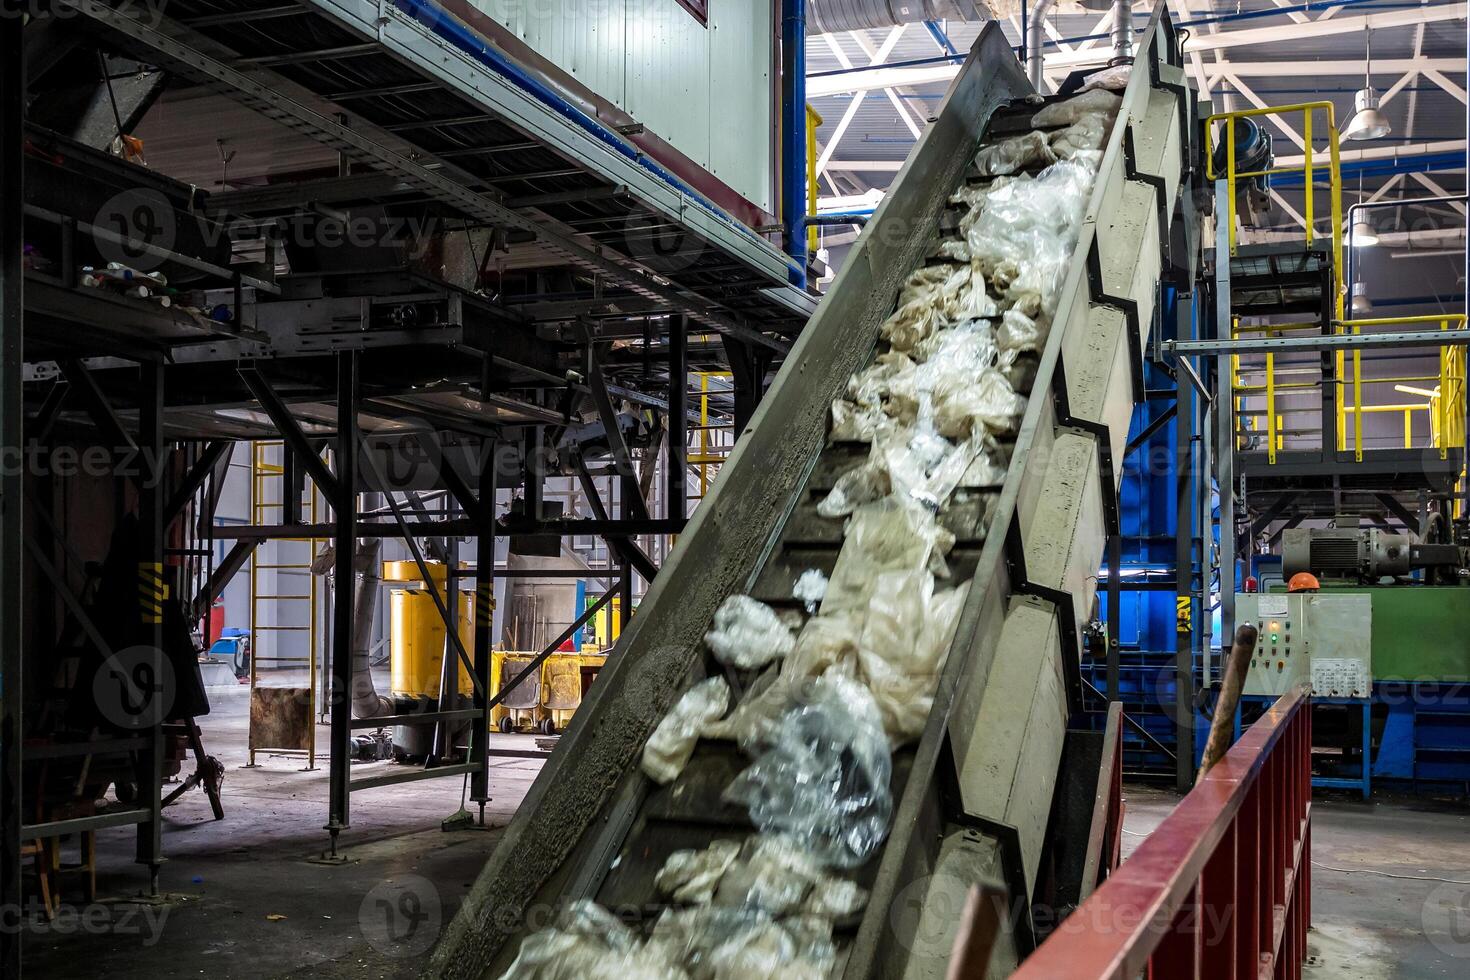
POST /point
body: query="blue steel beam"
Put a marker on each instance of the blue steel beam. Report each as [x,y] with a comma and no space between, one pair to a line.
[793,136]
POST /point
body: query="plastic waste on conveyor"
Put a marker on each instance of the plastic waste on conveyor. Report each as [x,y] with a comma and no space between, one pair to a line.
[916,514]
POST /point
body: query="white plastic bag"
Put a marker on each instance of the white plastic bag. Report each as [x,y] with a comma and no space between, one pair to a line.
[1014,155]
[1018,332]
[825,779]
[809,588]
[589,943]
[691,877]
[1084,135]
[860,485]
[1065,113]
[986,405]
[668,749]
[748,634]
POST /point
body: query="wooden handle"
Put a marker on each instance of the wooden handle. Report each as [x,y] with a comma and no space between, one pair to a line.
[1222,725]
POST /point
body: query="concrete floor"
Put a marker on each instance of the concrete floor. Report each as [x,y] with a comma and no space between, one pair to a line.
[227,881]
[244,900]
[1367,925]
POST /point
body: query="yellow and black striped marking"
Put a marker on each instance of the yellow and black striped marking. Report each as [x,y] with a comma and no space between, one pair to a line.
[152,591]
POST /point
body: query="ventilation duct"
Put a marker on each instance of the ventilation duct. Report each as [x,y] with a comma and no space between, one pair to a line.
[831,16]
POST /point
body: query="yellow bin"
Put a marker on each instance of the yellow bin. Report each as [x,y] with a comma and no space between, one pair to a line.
[417,633]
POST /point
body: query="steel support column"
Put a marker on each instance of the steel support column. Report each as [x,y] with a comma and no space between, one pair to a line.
[344,482]
[1182,710]
[677,482]
[793,136]
[12,199]
[483,513]
[154,582]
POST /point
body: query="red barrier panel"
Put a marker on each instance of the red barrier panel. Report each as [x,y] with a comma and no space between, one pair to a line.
[1222,889]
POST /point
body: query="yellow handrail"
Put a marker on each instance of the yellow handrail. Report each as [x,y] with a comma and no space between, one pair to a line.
[1307,109]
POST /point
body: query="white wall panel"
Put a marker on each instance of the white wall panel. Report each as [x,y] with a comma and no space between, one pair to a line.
[706,90]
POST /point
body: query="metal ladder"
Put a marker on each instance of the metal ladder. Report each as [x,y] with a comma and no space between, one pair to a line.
[267,501]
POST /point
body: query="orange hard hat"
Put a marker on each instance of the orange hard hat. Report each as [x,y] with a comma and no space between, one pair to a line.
[1303,582]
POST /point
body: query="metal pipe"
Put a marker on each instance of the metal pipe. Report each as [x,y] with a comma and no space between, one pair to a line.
[1034,61]
[366,701]
[1122,31]
[793,137]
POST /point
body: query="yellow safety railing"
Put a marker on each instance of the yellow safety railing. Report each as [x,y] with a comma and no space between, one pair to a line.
[1446,404]
[813,123]
[1446,397]
[711,453]
[1308,169]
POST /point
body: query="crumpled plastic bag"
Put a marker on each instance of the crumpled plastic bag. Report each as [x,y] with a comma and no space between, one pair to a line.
[1097,101]
[859,485]
[691,877]
[889,535]
[1014,155]
[911,323]
[1086,134]
[905,644]
[748,634]
[589,943]
[986,405]
[825,779]
[855,423]
[826,642]
[1018,332]
[715,943]
[778,875]
[668,749]
[987,469]
[809,588]
[1022,237]
[1114,79]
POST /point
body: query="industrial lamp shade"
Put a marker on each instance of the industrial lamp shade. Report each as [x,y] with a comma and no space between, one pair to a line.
[1367,122]
[1362,303]
[1362,234]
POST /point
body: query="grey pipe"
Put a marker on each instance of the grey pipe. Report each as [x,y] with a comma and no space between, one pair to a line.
[1033,42]
[1122,30]
[366,701]
[831,16]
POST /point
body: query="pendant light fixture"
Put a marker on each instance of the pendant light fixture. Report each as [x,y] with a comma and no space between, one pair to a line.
[1367,121]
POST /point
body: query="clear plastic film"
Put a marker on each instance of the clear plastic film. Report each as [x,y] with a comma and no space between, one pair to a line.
[825,778]
[809,588]
[1018,332]
[1096,101]
[887,536]
[1114,79]
[1014,155]
[859,485]
[668,749]
[1086,134]
[691,877]
[986,405]
[718,943]
[1023,235]
[590,943]
[748,634]
[779,876]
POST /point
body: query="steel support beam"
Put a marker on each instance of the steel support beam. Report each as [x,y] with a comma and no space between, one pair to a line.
[634,505]
[98,407]
[1319,342]
[483,512]
[194,479]
[12,409]
[156,590]
[677,478]
[291,434]
[343,496]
